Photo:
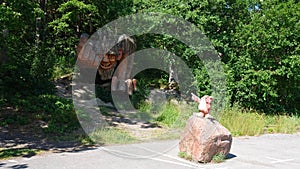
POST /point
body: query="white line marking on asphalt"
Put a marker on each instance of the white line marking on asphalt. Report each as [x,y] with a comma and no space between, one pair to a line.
[177,163]
[282,161]
[169,156]
[129,155]
[279,160]
[12,161]
[123,154]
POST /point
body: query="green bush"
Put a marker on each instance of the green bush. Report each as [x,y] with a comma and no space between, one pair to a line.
[56,112]
[63,119]
[264,69]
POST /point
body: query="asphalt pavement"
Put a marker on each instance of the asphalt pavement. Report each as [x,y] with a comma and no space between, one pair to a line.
[263,152]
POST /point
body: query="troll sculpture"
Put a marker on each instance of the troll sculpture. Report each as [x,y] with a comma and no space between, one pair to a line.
[108,62]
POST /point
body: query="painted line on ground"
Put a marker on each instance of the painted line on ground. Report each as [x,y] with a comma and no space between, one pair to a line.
[169,156]
[134,156]
[276,161]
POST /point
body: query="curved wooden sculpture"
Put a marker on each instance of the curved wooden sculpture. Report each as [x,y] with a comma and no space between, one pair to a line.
[109,62]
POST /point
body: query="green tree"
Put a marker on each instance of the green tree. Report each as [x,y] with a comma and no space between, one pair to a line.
[20,43]
[265,69]
[74,17]
[257,40]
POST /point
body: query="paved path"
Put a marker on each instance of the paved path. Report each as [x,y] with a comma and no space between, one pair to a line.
[267,151]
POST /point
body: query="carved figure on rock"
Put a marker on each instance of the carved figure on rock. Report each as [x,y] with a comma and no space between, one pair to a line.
[203,138]
[204,104]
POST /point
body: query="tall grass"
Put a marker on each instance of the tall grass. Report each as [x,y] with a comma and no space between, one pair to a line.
[282,124]
[236,120]
[172,116]
[241,123]
[63,65]
[169,114]
[251,123]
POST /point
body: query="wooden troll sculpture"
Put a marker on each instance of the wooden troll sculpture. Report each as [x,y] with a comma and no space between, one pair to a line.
[109,62]
[204,104]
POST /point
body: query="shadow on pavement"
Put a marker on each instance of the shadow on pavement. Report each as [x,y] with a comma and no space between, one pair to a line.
[19,166]
[2,164]
[20,142]
[230,156]
[15,166]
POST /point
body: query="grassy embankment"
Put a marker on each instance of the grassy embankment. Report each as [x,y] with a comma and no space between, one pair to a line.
[238,121]
[61,122]
[173,117]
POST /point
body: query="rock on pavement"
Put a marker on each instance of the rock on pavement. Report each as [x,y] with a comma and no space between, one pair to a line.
[203,138]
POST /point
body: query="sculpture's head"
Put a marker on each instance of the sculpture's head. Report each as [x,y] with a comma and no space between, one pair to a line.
[108,61]
[126,45]
[209,99]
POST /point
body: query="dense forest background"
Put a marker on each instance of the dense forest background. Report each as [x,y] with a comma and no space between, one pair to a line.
[258,42]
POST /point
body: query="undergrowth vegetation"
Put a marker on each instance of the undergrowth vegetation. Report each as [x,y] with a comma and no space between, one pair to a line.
[241,122]
[110,136]
[238,121]
[25,152]
[56,115]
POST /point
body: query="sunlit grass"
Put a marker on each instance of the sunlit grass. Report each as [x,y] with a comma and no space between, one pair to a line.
[172,117]
[109,136]
[17,152]
[168,114]
[241,123]
[282,124]
[236,120]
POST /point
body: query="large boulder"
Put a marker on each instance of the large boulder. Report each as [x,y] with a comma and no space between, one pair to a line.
[203,138]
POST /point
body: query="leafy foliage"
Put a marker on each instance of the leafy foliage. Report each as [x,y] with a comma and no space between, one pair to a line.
[266,58]
[257,41]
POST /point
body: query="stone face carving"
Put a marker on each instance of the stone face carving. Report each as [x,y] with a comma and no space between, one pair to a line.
[204,138]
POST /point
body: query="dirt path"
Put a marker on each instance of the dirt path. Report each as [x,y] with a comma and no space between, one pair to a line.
[141,129]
